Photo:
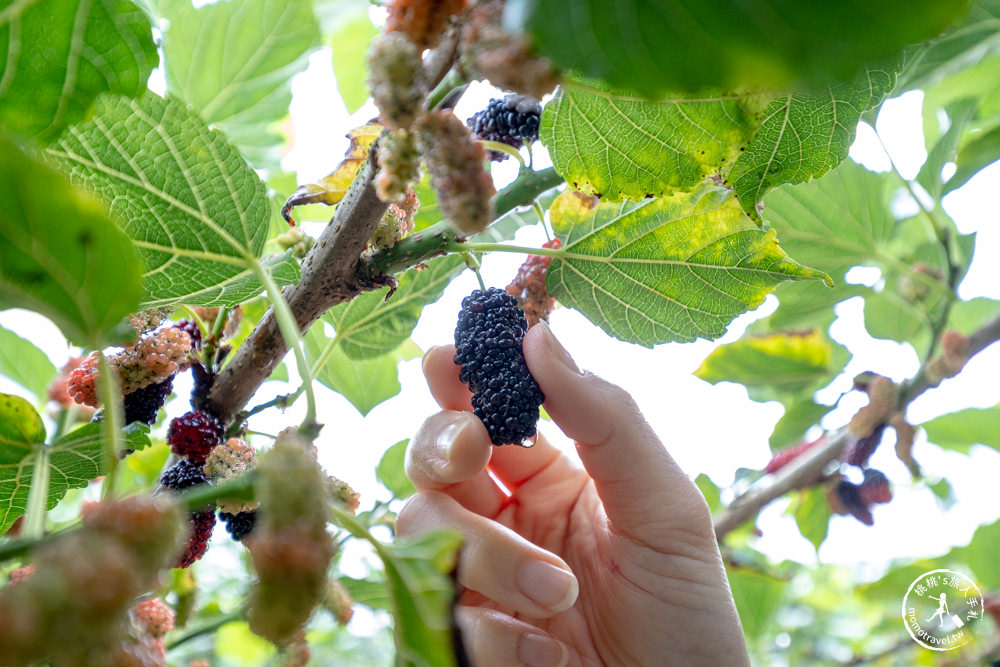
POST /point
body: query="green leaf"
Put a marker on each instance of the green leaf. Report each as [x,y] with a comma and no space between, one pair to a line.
[418,573]
[657,46]
[959,113]
[74,460]
[808,305]
[25,364]
[370,326]
[960,430]
[391,472]
[365,383]
[195,210]
[350,65]
[775,365]
[56,56]
[806,134]
[60,254]
[21,427]
[968,316]
[982,151]
[710,491]
[980,555]
[615,144]
[757,597]
[669,269]
[800,414]
[234,63]
[836,222]
[373,594]
[812,514]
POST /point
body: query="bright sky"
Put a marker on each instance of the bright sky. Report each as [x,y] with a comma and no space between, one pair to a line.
[710,429]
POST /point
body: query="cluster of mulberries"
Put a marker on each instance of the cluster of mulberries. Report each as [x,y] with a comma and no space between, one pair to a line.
[423,21]
[240,524]
[489,51]
[147,320]
[73,610]
[399,165]
[194,434]
[290,546]
[142,405]
[395,79]
[528,287]
[227,461]
[858,499]
[455,162]
[152,360]
[151,621]
[488,341]
[513,120]
[296,240]
[183,475]
[789,454]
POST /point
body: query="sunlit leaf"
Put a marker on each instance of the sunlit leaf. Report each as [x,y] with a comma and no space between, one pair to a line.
[350,46]
[194,208]
[784,363]
[800,415]
[21,427]
[670,269]
[74,460]
[693,43]
[391,473]
[960,430]
[979,555]
[234,61]
[812,514]
[618,145]
[60,253]
[978,153]
[56,56]
[757,597]
[25,364]
[369,326]
[943,150]
[807,133]
[373,594]
[710,491]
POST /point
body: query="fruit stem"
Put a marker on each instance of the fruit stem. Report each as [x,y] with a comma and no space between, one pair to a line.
[111,426]
[503,148]
[213,338]
[472,263]
[505,247]
[290,332]
[451,82]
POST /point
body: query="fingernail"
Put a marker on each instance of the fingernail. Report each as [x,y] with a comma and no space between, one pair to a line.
[547,585]
[427,355]
[539,651]
[448,435]
[556,348]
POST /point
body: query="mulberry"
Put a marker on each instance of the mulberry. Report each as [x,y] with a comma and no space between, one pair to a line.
[507,60]
[423,21]
[183,475]
[789,454]
[875,488]
[528,287]
[488,341]
[861,449]
[192,329]
[849,496]
[455,163]
[399,165]
[82,382]
[194,434]
[202,523]
[240,524]
[153,359]
[512,120]
[395,78]
[142,405]
[153,617]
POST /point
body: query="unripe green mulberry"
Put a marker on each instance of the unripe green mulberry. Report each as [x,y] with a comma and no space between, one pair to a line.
[395,78]
[399,165]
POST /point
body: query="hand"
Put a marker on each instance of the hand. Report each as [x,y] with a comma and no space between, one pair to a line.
[613,564]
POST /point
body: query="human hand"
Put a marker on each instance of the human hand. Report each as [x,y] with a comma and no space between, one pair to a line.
[613,564]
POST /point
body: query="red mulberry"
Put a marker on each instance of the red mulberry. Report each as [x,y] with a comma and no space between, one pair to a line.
[861,449]
[423,21]
[395,77]
[529,288]
[488,342]
[850,499]
[789,454]
[82,382]
[875,488]
[194,434]
[202,523]
[455,163]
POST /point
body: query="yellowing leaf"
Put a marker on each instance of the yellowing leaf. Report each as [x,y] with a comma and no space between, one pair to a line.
[670,269]
[331,188]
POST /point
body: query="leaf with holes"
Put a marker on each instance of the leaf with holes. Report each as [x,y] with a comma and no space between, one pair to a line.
[807,133]
[82,272]
[56,56]
[369,326]
[74,460]
[234,62]
[195,210]
[616,144]
[670,269]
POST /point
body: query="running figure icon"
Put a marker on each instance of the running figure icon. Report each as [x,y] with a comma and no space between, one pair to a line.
[941,610]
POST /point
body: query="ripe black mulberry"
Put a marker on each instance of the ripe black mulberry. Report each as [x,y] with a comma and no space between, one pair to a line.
[488,341]
[183,475]
[142,405]
[513,120]
[239,525]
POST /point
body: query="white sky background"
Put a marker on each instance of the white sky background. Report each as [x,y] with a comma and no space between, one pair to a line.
[711,429]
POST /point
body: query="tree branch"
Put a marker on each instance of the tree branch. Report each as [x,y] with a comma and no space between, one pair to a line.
[329,277]
[808,468]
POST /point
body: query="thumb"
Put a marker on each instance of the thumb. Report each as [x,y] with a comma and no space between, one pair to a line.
[644,492]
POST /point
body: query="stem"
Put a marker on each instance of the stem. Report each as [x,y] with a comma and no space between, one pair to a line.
[290,332]
[208,627]
[525,189]
[452,82]
[210,345]
[506,247]
[238,488]
[282,402]
[470,261]
[38,496]
[111,426]
[503,148]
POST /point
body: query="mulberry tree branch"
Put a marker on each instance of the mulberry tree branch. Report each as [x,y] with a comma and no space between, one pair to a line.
[808,468]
